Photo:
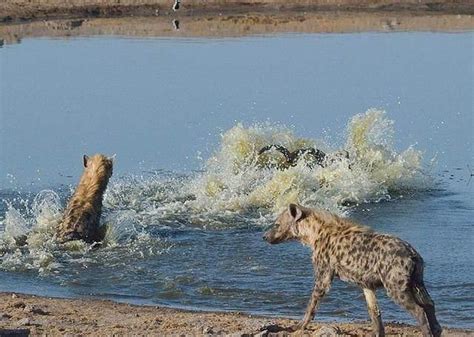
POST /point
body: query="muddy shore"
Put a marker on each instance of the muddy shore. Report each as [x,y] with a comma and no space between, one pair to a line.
[26,10]
[236,25]
[198,18]
[26,314]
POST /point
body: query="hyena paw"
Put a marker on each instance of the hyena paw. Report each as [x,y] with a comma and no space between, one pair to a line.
[298,326]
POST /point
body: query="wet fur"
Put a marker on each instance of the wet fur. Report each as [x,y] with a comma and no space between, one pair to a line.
[356,254]
[81,220]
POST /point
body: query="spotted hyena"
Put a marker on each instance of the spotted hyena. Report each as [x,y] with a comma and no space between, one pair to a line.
[82,216]
[359,255]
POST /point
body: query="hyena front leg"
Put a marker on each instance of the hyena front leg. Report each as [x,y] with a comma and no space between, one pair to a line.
[374,312]
[321,287]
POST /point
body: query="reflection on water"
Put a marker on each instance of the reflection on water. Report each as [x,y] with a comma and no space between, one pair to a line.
[190,196]
[233,25]
[176,24]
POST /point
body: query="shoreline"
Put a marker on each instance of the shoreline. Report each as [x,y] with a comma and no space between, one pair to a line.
[12,11]
[213,18]
[238,25]
[35,315]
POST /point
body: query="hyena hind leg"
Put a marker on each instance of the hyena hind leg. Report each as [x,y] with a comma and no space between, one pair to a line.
[422,297]
[406,299]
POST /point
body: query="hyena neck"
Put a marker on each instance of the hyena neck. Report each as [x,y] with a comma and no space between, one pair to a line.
[314,228]
[309,231]
[92,188]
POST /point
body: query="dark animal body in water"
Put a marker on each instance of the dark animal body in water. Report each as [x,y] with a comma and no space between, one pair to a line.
[293,157]
[313,156]
[81,220]
[356,254]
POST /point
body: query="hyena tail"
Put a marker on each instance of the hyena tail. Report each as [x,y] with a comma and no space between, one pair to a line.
[423,298]
[419,291]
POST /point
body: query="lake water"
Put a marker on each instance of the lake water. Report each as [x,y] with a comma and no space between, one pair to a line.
[190,198]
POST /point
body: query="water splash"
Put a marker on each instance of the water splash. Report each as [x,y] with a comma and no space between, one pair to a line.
[370,141]
[237,187]
[28,239]
[236,181]
[236,178]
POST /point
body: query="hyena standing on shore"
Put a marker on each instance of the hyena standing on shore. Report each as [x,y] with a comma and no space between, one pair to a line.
[81,220]
[359,255]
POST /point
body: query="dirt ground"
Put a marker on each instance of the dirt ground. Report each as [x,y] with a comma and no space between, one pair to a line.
[20,19]
[28,10]
[22,315]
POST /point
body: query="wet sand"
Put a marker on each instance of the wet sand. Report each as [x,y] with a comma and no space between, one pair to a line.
[236,25]
[22,314]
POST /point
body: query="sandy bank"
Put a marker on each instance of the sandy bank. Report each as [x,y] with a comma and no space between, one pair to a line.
[26,10]
[47,316]
[214,18]
[237,25]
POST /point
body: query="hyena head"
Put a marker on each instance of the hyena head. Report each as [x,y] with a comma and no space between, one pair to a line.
[98,167]
[286,225]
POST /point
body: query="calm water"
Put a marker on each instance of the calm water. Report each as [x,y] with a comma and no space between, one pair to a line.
[188,203]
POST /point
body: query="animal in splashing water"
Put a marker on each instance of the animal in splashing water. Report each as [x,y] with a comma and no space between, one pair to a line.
[81,220]
[312,156]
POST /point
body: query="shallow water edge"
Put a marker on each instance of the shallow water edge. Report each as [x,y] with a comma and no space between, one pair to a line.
[237,24]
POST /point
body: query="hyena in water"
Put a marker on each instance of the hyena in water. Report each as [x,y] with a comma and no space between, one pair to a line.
[81,219]
[359,255]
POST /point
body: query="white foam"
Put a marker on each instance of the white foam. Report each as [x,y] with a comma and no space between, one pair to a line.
[234,179]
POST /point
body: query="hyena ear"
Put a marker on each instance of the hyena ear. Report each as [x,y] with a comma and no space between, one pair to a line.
[296,212]
[112,158]
[85,159]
